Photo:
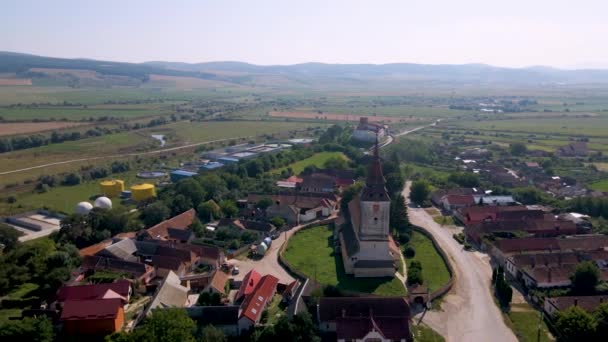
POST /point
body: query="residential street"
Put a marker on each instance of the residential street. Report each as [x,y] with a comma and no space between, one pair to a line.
[469,312]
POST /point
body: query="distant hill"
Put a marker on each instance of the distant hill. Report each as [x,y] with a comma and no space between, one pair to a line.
[300,75]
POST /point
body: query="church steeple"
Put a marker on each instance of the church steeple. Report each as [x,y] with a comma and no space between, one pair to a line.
[375,189]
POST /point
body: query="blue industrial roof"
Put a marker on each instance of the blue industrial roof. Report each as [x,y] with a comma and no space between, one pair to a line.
[183,173]
[228,159]
[212,165]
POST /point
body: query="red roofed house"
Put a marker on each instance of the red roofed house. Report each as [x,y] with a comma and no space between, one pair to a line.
[366,318]
[167,229]
[119,289]
[93,317]
[554,305]
[255,303]
[249,283]
[454,202]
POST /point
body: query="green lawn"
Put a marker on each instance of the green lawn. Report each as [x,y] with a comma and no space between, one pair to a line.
[5,314]
[275,309]
[600,185]
[64,198]
[434,271]
[525,321]
[318,160]
[22,291]
[327,268]
[422,333]
[444,220]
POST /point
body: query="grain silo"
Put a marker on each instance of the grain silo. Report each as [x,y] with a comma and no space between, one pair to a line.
[141,192]
[83,208]
[112,188]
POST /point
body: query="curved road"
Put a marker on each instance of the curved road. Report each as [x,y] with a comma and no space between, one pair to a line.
[469,312]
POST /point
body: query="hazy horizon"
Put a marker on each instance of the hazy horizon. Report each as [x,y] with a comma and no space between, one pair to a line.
[514,34]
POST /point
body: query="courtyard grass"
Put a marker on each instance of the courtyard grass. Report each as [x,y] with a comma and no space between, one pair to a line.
[423,333]
[318,160]
[311,252]
[525,323]
[435,273]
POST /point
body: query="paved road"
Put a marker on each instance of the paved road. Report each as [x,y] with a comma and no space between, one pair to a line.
[469,313]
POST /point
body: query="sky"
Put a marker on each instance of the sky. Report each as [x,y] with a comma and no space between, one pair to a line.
[510,33]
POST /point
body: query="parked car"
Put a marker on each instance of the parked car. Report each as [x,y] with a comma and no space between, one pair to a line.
[235,270]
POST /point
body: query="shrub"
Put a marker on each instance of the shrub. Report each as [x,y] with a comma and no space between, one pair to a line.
[409,252]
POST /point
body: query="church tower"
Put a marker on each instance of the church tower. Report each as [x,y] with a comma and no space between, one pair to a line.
[375,203]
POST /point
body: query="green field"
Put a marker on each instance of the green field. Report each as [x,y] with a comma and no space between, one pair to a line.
[600,185]
[434,270]
[65,198]
[327,268]
[72,114]
[318,160]
[423,333]
[525,324]
[590,126]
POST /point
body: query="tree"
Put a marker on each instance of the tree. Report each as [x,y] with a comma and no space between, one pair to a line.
[419,191]
[229,208]
[155,213]
[585,278]
[394,182]
[502,289]
[335,163]
[398,219]
[72,179]
[414,273]
[278,222]
[212,334]
[27,329]
[264,203]
[464,179]
[207,211]
[204,299]
[191,189]
[601,317]
[9,236]
[575,324]
[518,149]
[167,325]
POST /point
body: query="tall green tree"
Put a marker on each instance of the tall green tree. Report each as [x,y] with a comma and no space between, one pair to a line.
[209,333]
[575,324]
[27,329]
[585,278]
[419,191]
[155,213]
[601,317]
[9,236]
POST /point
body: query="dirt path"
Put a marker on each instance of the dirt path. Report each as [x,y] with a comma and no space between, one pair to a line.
[469,312]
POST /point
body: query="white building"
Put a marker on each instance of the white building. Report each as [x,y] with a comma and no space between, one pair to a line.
[365,242]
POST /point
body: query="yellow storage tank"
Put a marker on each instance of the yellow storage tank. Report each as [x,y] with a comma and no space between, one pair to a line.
[112,188]
[142,192]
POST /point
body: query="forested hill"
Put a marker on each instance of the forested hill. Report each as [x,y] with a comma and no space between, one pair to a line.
[312,73]
[22,64]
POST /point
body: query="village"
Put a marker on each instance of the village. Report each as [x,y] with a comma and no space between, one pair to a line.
[226,263]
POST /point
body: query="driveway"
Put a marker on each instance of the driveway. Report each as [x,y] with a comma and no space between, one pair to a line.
[269,264]
[468,310]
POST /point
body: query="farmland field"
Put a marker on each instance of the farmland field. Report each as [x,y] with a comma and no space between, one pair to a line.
[600,185]
[31,127]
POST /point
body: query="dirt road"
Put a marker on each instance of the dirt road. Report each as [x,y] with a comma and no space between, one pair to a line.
[469,313]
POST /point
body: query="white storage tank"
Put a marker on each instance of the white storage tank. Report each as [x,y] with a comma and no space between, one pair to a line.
[83,208]
[103,203]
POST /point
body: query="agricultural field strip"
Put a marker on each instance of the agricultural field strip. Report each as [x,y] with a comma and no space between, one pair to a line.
[123,155]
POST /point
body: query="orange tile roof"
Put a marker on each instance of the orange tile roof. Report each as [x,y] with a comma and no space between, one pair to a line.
[96,248]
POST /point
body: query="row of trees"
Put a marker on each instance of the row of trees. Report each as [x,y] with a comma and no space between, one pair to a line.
[37,140]
[502,289]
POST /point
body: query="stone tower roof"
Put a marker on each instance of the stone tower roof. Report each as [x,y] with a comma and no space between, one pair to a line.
[375,189]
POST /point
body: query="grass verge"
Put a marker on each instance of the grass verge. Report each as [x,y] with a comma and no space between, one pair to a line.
[434,270]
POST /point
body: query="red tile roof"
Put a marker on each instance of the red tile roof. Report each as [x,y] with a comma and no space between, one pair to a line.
[91,292]
[181,221]
[250,281]
[460,199]
[91,309]
[255,302]
[588,303]
[218,282]
[96,248]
